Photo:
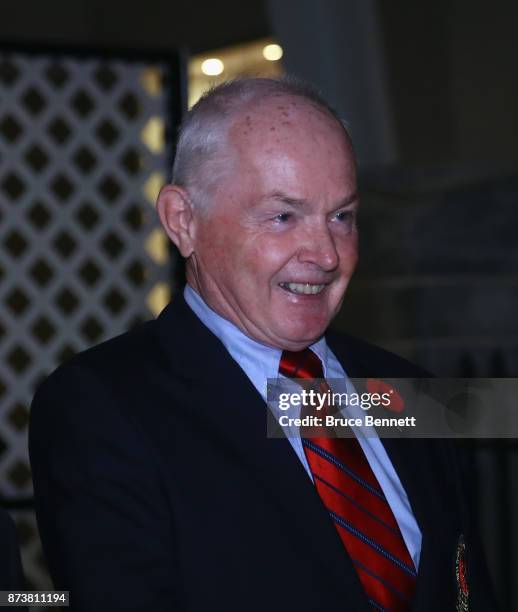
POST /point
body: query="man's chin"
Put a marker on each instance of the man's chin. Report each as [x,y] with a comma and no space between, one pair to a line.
[296,338]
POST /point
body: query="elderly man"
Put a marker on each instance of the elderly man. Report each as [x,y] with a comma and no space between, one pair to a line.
[156,485]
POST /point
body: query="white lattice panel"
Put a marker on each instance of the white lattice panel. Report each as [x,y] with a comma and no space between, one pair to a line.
[82,256]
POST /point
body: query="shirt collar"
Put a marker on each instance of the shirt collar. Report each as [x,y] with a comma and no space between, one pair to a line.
[259,361]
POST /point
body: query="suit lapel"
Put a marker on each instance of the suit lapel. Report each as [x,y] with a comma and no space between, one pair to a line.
[225,401]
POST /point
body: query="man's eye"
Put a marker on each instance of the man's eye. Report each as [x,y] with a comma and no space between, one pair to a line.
[345,216]
[282,217]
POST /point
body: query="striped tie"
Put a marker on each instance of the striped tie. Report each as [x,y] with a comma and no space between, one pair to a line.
[357,505]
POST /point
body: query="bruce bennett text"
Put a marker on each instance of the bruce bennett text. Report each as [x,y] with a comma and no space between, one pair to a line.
[336,421]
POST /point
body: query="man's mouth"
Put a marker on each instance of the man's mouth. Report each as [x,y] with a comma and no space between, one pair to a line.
[302,288]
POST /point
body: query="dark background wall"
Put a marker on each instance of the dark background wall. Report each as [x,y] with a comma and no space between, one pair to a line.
[153,24]
[451,67]
[446,68]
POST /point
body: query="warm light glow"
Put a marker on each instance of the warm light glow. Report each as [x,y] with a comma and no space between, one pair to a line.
[238,60]
[152,186]
[272,52]
[151,81]
[158,298]
[212,66]
[157,246]
[153,135]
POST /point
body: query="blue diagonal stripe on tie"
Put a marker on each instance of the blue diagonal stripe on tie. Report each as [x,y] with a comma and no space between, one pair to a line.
[376,605]
[323,453]
[382,580]
[343,523]
[355,503]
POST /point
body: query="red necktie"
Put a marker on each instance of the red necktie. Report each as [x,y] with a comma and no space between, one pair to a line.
[357,505]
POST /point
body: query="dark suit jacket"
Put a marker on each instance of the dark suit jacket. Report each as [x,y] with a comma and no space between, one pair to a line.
[158,490]
[11,572]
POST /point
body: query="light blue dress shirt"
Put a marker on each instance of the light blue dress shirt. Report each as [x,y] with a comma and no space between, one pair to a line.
[260,362]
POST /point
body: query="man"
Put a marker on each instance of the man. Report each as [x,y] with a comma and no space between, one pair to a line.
[156,485]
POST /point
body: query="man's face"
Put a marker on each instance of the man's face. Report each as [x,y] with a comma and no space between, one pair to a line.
[278,245]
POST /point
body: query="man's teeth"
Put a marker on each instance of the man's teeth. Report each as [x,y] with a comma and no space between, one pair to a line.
[304,288]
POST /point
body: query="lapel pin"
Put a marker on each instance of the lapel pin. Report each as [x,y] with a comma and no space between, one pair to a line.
[461,575]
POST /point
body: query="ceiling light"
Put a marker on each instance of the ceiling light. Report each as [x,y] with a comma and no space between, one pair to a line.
[272,52]
[212,66]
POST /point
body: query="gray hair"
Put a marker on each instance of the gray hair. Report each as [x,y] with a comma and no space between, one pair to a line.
[200,160]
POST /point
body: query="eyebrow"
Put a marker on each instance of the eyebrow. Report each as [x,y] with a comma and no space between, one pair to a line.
[300,202]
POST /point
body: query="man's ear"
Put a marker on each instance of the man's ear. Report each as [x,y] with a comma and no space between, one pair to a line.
[176,215]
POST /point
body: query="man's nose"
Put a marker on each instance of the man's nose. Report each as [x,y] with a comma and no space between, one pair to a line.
[318,247]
